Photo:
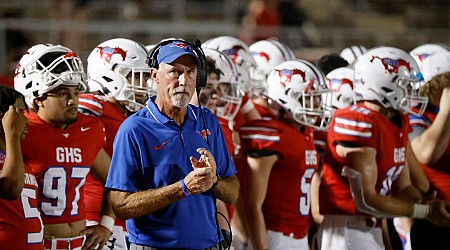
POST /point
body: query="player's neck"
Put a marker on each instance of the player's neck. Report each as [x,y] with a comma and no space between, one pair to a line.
[121,107]
[387,112]
[55,124]
[261,101]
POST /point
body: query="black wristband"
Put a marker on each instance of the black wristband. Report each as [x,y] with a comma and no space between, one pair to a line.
[217,181]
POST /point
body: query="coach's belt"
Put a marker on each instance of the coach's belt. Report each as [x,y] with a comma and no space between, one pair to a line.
[64,243]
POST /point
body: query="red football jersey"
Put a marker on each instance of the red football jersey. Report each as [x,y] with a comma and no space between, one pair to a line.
[108,113]
[320,139]
[286,207]
[228,128]
[264,112]
[361,126]
[246,106]
[112,118]
[438,173]
[20,220]
[61,159]
[227,134]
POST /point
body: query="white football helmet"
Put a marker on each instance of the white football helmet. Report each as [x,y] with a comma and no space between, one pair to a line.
[435,64]
[340,81]
[117,68]
[267,54]
[46,66]
[424,51]
[238,52]
[228,88]
[350,54]
[150,47]
[300,88]
[391,77]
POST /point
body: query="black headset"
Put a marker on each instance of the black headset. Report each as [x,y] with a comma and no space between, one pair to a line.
[152,60]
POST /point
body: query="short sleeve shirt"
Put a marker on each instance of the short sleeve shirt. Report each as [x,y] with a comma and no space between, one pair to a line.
[152,151]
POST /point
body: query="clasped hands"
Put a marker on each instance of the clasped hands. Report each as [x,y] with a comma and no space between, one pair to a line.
[203,175]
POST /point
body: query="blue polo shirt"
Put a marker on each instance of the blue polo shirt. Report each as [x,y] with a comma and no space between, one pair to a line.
[152,151]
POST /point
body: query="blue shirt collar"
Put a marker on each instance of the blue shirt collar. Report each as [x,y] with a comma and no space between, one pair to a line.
[162,118]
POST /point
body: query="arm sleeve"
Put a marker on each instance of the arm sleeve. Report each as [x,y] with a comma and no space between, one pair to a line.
[125,163]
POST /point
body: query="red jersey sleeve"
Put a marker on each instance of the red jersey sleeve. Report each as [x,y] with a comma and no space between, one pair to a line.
[354,127]
[259,135]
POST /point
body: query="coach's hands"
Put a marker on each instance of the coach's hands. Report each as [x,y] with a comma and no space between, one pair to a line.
[203,176]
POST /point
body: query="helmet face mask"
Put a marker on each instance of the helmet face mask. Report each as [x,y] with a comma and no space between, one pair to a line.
[136,93]
[391,77]
[227,85]
[313,109]
[229,100]
[63,69]
[117,68]
[300,89]
[44,67]
[413,102]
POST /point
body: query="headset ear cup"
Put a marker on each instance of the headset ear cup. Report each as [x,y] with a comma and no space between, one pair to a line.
[151,61]
[202,72]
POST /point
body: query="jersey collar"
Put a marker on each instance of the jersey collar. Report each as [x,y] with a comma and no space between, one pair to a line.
[162,118]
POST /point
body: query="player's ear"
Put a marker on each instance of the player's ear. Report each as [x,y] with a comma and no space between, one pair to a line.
[39,102]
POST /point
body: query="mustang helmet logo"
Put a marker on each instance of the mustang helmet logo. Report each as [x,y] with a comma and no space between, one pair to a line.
[261,55]
[392,65]
[337,83]
[287,74]
[108,52]
[233,53]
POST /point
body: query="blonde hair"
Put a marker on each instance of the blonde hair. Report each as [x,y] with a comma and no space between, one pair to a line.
[435,85]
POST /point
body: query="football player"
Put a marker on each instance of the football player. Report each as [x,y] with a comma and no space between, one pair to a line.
[19,214]
[365,175]
[62,146]
[119,85]
[430,139]
[281,157]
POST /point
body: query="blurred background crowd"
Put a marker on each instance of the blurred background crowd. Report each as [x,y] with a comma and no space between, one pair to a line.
[311,28]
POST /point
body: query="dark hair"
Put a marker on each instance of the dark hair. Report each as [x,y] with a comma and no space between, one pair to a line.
[329,62]
[211,67]
[8,97]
